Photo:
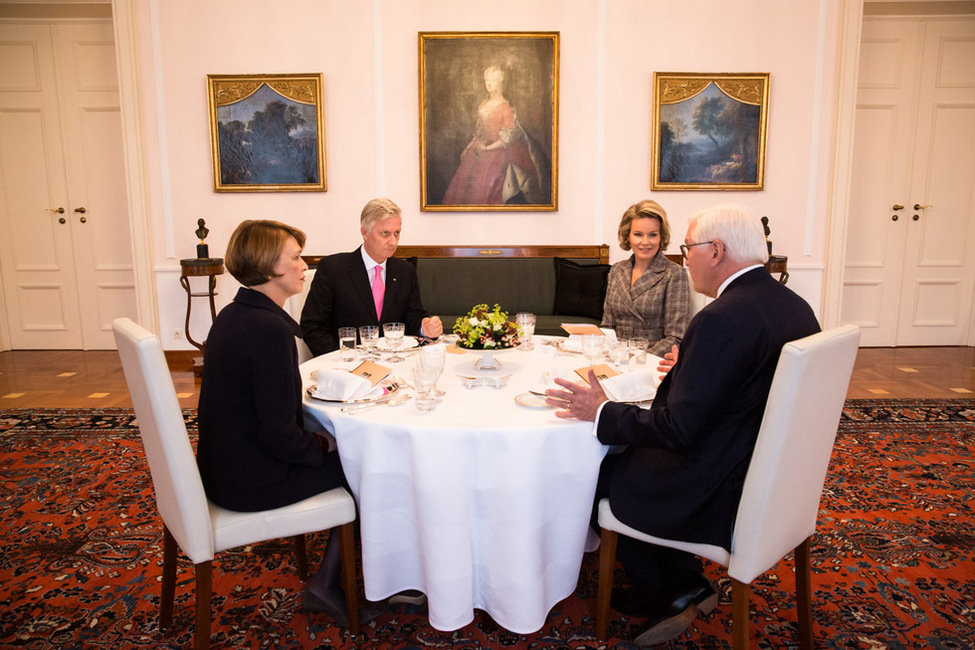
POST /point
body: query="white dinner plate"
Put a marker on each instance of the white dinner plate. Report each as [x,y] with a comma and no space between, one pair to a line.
[408,343]
[532,401]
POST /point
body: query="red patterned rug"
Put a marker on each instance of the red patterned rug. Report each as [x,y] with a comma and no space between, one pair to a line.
[80,556]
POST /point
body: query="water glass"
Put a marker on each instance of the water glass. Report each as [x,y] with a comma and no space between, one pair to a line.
[425,375]
[369,337]
[638,348]
[347,343]
[526,320]
[592,347]
[436,356]
[619,353]
[393,333]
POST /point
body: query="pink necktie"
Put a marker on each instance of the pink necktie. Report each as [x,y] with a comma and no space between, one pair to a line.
[378,291]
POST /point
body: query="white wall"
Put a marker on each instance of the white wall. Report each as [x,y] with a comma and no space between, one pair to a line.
[367,52]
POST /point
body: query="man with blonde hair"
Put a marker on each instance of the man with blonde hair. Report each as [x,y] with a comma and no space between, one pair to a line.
[367,286]
[681,472]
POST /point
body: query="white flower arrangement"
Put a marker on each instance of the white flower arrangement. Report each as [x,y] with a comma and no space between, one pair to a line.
[482,329]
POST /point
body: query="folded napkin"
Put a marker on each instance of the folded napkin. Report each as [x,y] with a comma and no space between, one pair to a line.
[342,385]
[637,386]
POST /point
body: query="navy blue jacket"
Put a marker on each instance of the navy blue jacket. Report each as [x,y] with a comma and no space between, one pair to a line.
[682,473]
[253,453]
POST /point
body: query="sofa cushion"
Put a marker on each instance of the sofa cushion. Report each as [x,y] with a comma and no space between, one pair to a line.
[580,289]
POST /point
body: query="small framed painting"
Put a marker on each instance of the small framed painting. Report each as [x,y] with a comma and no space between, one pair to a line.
[489,109]
[709,131]
[267,132]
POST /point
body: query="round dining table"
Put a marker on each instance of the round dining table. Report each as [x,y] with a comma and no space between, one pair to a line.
[482,503]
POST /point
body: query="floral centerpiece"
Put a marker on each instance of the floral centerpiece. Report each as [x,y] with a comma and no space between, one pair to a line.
[482,329]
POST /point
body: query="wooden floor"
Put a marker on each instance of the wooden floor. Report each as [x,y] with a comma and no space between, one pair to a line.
[75,379]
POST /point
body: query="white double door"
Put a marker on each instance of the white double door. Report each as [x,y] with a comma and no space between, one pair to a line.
[909,271]
[65,250]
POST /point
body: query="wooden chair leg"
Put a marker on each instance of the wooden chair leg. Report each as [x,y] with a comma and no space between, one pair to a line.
[349,582]
[204,590]
[804,595]
[301,557]
[168,579]
[740,595]
[604,590]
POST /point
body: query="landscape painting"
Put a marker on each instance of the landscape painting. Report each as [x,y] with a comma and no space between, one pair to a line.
[266,133]
[709,131]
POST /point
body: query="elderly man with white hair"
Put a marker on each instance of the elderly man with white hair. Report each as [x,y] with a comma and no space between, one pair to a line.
[682,468]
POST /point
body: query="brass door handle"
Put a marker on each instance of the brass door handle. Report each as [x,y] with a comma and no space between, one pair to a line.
[896,207]
[920,206]
[80,210]
[58,210]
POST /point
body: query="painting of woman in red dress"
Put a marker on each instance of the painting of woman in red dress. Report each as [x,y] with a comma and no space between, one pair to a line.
[498,165]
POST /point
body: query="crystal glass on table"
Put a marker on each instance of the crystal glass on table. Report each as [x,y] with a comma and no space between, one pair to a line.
[425,374]
[347,343]
[436,356]
[592,347]
[526,320]
[369,337]
[393,333]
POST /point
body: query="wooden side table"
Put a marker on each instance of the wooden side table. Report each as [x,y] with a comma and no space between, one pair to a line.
[778,264]
[197,268]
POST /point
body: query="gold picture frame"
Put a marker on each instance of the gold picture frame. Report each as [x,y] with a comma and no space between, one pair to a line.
[489,109]
[709,131]
[267,132]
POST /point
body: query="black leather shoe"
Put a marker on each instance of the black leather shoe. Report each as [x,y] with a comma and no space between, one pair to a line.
[677,615]
[633,601]
[312,603]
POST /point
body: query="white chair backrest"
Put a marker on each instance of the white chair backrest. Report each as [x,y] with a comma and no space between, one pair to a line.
[698,300]
[176,480]
[780,501]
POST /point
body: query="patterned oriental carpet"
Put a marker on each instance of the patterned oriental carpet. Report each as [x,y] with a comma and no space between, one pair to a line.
[80,557]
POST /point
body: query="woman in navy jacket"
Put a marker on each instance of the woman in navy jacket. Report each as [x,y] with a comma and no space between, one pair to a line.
[253,451]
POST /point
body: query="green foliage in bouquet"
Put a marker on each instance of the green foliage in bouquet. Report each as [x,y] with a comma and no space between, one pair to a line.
[482,329]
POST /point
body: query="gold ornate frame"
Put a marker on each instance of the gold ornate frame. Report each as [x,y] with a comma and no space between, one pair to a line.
[709,131]
[279,161]
[463,125]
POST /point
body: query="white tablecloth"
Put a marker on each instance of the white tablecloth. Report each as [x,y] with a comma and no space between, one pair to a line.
[481,503]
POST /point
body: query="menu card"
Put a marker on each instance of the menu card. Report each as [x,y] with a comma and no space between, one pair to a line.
[371,372]
[602,372]
[581,328]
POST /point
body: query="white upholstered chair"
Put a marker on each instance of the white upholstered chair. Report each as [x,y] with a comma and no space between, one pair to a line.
[190,520]
[780,501]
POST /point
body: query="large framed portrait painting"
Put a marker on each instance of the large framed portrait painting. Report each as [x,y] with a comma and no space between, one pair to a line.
[489,121]
[709,131]
[267,132]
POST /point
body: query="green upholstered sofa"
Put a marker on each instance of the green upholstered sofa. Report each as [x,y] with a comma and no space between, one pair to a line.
[559,284]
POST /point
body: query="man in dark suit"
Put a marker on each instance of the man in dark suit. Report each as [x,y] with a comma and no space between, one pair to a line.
[681,472]
[346,291]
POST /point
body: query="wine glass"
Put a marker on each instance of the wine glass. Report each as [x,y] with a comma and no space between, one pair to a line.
[436,357]
[425,375]
[369,335]
[393,333]
[526,320]
[592,347]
